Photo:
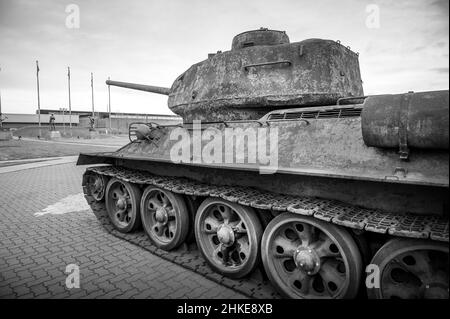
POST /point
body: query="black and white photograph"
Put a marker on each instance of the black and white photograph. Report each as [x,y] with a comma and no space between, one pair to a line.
[242,153]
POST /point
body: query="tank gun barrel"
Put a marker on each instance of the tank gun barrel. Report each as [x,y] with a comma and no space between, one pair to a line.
[140,87]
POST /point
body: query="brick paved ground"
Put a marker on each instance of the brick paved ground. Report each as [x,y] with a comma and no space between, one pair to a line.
[34,251]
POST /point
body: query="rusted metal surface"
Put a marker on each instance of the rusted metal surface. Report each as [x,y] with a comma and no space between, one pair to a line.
[431,227]
[417,120]
[140,87]
[394,197]
[305,113]
[329,147]
[310,72]
[263,36]
[376,164]
[263,72]
[317,156]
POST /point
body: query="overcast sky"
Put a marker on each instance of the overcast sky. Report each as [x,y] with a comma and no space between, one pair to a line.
[152,42]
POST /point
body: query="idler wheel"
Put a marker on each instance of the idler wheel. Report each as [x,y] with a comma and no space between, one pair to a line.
[122,204]
[96,184]
[308,258]
[411,269]
[165,217]
[228,236]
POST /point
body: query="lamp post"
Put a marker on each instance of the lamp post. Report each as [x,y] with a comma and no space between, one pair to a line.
[1,116]
[92,96]
[70,102]
[38,97]
[109,105]
[92,93]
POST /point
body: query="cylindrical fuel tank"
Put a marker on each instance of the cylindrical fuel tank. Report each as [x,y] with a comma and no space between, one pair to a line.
[419,120]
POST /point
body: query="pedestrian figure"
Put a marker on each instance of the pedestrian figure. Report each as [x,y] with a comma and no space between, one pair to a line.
[92,123]
[52,122]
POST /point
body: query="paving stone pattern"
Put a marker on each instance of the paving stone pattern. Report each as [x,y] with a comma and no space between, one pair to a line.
[34,251]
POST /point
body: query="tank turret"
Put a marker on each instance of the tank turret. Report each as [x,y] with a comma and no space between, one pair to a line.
[262,72]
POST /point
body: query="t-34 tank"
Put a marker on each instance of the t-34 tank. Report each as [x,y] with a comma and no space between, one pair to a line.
[282,161]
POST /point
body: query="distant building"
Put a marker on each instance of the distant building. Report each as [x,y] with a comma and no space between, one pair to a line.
[16,120]
[119,121]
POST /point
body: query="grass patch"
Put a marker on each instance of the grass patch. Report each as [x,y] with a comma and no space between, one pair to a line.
[15,149]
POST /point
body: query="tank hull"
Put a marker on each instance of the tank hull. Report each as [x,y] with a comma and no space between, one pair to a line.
[337,150]
[389,197]
[335,164]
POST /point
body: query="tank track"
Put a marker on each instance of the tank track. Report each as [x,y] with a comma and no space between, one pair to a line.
[256,285]
[402,225]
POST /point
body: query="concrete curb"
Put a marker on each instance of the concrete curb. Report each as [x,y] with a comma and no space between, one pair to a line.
[42,162]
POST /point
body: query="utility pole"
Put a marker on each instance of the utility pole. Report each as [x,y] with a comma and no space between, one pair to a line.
[38,97]
[109,105]
[1,116]
[70,102]
[92,93]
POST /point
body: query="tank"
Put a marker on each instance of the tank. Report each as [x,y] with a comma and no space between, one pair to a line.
[262,72]
[283,165]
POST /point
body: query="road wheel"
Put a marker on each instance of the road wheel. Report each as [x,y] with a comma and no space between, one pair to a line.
[308,258]
[165,217]
[411,269]
[96,185]
[122,205]
[228,236]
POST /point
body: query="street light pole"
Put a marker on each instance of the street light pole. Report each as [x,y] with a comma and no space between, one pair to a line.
[109,105]
[92,93]
[1,116]
[70,102]
[38,97]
